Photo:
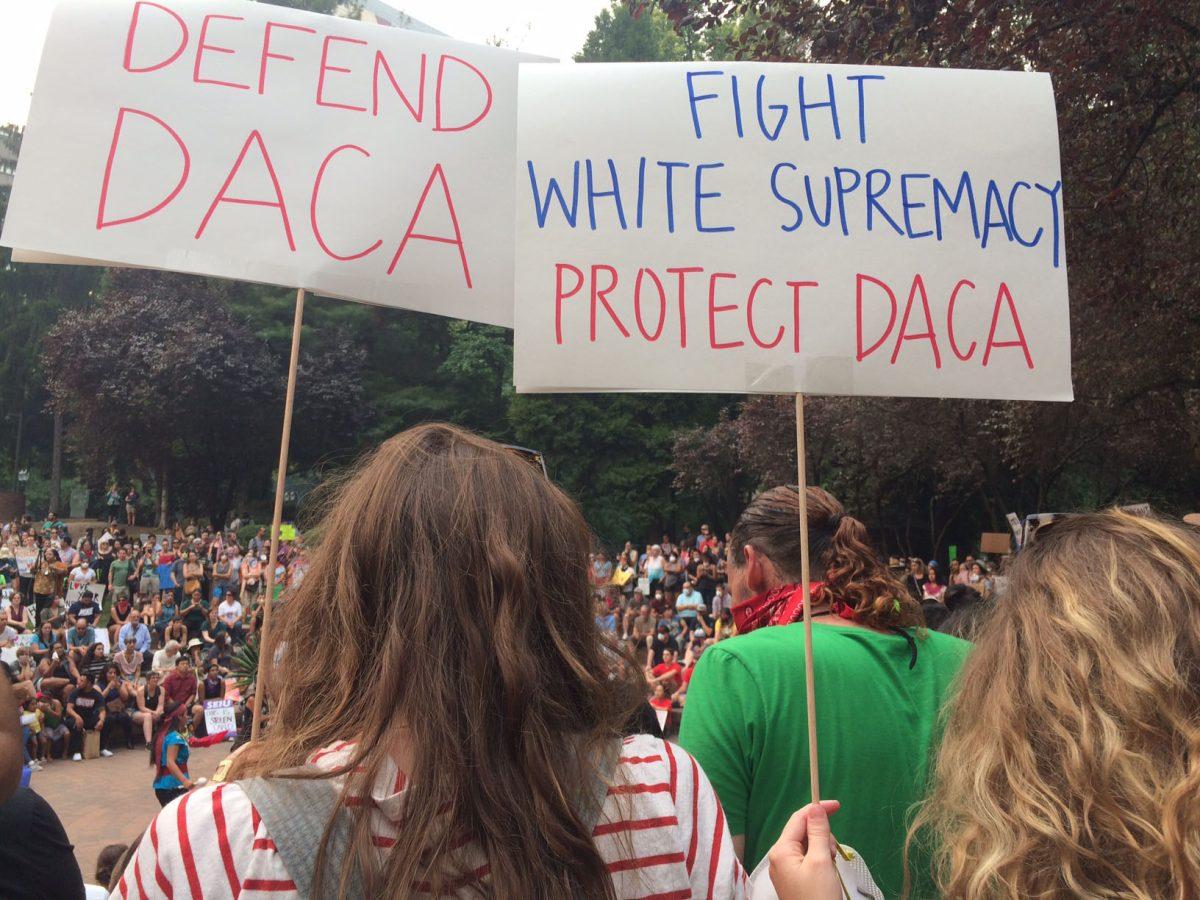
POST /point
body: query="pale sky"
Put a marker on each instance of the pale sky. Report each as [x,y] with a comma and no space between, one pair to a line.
[554,28]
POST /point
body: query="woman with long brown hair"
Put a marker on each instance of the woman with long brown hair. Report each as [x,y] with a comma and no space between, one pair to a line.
[879,680]
[488,756]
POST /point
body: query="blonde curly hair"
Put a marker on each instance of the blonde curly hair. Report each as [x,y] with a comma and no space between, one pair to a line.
[1070,763]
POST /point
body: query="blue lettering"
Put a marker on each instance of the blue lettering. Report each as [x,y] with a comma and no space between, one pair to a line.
[812,207]
[694,98]
[781,108]
[1052,193]
[831,103]
[939,192]
[873,203]
[783,199]
[908,205]
[542,209]
[842,191]
[862,103]
[701,195]
[615,193]
[670,168]
[1012,216]
[992,202]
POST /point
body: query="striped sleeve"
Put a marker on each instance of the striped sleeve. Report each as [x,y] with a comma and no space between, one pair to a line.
[209,843]
[712,866]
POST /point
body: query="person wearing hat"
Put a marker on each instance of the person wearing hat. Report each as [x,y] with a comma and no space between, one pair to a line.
[195,647]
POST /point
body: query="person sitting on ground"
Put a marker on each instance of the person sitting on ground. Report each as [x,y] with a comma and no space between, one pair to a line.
[129,661]
[118,698]
[1077,714]
[85,712]
[568,809]
[18,616]
[54,671]
[879,680]
[149,703]
[165,659]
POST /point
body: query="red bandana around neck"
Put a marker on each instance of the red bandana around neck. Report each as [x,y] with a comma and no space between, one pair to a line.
[781,606]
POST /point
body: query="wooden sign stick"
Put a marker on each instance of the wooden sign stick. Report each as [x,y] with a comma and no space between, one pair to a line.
[260,696]
[810,690]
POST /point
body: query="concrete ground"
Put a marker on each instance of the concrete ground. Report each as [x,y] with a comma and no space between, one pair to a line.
[110,801]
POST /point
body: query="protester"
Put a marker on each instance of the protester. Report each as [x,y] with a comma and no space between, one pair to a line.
[85,712]
[879,682]
[537,703]
[1068,763]
[171,779]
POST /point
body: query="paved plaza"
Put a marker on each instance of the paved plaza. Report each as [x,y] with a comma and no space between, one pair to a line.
[109,801]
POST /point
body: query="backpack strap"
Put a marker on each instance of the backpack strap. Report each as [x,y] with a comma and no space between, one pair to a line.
[295,812]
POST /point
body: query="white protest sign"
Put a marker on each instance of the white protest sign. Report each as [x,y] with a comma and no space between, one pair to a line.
[248,141]
[26,559]
[219,716]
[784,228]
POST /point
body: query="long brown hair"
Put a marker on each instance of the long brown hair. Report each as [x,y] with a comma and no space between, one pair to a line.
[447,606]
[839,549]
[1070,763]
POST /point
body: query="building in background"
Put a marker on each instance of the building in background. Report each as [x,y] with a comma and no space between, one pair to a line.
[10,140]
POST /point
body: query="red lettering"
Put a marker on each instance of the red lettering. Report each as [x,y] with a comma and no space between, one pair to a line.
[203,45]
[108,167]
[437,96]
[713,309]
[859,279]
[325,67]
[683,272]
[266,50]
[312,209]
[418,112]
[457,240]
[795,286]
[559,296]
[637,304]
[1004,294]
[601,296]
[133,24]
[918,285]
[950,321]
[750,317]
[277,203]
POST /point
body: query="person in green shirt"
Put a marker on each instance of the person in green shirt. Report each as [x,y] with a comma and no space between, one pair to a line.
[879,677]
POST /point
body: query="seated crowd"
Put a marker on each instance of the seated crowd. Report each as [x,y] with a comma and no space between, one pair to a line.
[105,634]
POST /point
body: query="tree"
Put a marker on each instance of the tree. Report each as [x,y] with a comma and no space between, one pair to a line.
[160,374]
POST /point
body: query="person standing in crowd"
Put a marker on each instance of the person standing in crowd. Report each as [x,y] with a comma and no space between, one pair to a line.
[914,581]
[171,779]
[1080,737]
[931,590]
[131,503]
[147,573]
[113,503]
[653,568]
[538,704]
[49,572]
[879,682]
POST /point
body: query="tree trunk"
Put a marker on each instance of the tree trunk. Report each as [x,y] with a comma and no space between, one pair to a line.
[56,465]
[164,503]
[17,447]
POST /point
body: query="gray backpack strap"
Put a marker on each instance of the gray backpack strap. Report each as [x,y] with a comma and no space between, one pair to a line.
[591,802]
[295,812]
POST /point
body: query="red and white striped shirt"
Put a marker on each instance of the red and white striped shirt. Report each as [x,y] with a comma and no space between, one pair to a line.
[662,832]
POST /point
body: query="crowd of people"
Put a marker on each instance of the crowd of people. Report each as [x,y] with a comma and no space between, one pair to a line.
[468,709]
[125,634]
[667,602]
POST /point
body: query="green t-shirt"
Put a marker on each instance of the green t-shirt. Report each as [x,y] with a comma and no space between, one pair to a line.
[877,722]
[119,570]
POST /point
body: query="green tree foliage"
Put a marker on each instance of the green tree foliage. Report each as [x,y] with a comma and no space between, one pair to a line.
[161,375]
[1127,89]
[632,33]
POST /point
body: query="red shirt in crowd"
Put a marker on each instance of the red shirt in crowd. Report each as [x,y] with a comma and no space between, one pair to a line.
[664,668]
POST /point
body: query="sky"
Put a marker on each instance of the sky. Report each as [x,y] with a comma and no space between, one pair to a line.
[554,28]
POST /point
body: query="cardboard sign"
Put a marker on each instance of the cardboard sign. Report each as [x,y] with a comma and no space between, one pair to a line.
[781,228]
[250,141]
[26,559]
[995,542]
[219,716]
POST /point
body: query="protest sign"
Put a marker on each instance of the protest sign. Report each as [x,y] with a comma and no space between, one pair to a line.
[249,141]
[787,228]
[219,716]
[995,542]
[94,592]
[287,532]
[26,559]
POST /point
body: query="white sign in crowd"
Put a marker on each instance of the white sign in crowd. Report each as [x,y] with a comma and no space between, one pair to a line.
[703,226]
